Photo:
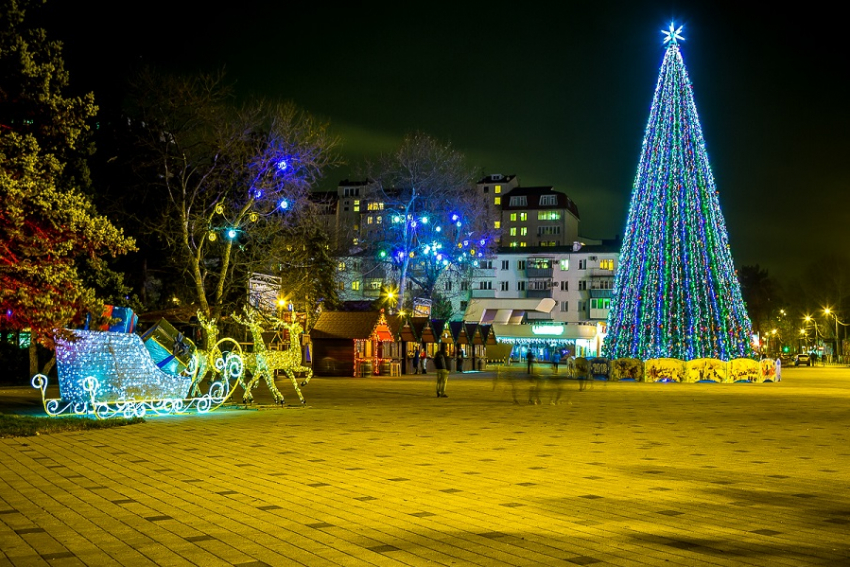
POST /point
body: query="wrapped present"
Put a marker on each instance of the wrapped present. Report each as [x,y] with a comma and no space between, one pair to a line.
[170,349]
[126,319]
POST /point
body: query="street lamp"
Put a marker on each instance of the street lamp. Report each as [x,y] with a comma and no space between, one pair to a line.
[829,312]
[809,319]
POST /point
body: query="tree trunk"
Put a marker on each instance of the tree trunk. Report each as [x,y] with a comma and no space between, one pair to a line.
[33,358]
[49,365]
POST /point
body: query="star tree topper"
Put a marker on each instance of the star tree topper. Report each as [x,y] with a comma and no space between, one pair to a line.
[673,35]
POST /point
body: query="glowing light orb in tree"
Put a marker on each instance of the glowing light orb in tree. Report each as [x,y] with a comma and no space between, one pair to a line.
[676,292]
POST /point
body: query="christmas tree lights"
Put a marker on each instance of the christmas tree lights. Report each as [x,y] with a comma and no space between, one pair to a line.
[676,293]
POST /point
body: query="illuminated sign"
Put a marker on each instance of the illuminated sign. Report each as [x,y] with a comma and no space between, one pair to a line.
[547,329]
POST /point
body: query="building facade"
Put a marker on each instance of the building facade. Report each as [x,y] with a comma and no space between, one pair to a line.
[543,284]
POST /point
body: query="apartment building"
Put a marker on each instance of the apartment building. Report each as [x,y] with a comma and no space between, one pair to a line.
[542,278]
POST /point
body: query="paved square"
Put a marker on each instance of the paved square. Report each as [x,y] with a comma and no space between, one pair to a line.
[379,471]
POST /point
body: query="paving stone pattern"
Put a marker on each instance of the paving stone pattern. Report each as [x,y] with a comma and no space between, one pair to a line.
[378,471]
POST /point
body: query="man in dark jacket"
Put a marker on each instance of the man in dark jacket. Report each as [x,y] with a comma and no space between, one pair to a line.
[441,364]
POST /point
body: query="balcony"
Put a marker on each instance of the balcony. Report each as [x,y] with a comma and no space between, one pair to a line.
[599,314]
[483,293]
[539,272]
[600,273]
[537,293]
[484,272]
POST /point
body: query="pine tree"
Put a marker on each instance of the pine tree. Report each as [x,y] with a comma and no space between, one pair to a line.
[49,229]
[676,292]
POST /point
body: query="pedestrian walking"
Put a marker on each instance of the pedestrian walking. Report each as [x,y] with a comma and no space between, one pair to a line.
[459,360]
[416,362]
[556,360]
[441,365]
[529,358]
[423,361]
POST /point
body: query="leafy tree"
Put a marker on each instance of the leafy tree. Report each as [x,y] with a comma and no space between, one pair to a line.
[432,218]
[441,308]
[761,296]
[228,185]
[50,232]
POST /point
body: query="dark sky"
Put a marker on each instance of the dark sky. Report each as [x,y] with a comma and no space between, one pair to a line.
[555,95]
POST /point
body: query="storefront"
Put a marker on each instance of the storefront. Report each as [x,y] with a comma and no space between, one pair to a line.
[544,339]
[353,343]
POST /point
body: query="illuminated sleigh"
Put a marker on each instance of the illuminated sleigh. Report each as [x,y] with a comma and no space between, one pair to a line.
[107,374]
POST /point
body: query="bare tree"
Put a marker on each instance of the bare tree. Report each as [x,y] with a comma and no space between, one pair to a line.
[433,220]
[230,183]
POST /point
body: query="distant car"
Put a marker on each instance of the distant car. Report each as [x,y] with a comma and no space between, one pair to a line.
[803,359]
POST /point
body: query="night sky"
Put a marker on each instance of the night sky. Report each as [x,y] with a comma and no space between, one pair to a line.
[557,96]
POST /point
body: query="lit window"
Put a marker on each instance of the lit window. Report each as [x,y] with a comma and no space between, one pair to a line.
[497,189]
[523,231]
[356,206]
[497,201]
[523,244]
[341,266]
[513,231]
[369,220]
[497,224]
[513,244]
[513,217]
[523,217]
[355,286]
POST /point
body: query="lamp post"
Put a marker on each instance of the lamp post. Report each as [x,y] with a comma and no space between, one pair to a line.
[809,319]
[829,312]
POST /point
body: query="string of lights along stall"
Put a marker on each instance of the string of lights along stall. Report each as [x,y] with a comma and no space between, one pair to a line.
[676,293]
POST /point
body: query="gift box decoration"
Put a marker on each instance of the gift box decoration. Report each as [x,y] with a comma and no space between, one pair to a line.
[170,349]
[126,320]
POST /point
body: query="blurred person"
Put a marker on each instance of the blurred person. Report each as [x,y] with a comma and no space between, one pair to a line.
[441,364]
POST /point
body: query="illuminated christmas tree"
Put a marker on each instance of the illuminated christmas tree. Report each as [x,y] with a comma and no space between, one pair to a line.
[676,292]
